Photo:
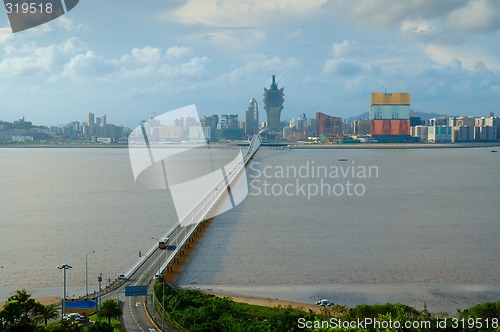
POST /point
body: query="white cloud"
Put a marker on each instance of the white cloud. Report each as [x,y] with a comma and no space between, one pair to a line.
[176,52]
[5,34]
[68,24]
[469,56]
[417,26]
[237,13]
[346,48]
[147,54]
[33,60]
[90,65]
[254,67]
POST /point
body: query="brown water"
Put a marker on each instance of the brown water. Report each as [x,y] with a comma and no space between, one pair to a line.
[426,227]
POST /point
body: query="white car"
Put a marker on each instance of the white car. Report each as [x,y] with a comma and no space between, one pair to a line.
[122,277]
[74,316]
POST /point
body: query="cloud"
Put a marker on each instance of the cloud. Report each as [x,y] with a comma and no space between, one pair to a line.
[5,34]
[255,66]
[147,54]
[477,16]
[33,60]
[346,48]
[417,26]
[68,24]
[176,52]
[237,13]
[89,65]
[342,67]
[390,14]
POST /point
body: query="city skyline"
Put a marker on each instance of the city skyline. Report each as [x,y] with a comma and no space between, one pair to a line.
[195,51]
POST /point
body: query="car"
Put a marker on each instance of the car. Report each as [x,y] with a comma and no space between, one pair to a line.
[74,316]
[122,277]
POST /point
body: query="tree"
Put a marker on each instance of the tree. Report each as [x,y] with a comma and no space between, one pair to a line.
[110,309]
[49,312]
[21,313]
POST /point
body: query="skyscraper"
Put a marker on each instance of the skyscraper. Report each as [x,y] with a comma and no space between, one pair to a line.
[273,104]
[252,118]
[91,125]
[390,116]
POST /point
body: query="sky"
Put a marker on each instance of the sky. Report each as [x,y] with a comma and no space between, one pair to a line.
[131,60]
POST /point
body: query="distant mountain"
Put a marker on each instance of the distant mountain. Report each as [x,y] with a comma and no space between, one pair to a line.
[422,115]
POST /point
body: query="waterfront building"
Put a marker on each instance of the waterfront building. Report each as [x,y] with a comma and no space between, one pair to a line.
[466,121]
[439,134]
[252,118]
[361,127]
[91,125]
[287,133]
[311,127]
[421,132]
[229,121]
[390,116]
[273,105]
[329,126]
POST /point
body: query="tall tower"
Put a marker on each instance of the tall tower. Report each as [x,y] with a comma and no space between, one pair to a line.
[252,118]
[91,125]
[273,104]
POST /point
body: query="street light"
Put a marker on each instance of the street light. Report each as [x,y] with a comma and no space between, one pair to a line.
[64,267]
[99,280]
[87,274]
[324,303]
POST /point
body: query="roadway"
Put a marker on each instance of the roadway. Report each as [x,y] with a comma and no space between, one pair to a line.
[156,260]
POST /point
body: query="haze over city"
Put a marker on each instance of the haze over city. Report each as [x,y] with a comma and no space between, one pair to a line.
[130,60]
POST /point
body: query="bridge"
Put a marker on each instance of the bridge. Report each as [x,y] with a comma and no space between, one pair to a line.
[158,262]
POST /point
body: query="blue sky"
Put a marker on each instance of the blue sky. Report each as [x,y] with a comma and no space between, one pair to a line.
[130,59]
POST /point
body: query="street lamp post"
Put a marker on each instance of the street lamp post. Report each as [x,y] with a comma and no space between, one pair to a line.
[99,279]
[324,303]
[64,267]
[87,274]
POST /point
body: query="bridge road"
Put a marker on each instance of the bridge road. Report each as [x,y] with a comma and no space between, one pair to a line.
[134,314]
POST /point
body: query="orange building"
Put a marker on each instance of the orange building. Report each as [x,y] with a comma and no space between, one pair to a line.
[390,116]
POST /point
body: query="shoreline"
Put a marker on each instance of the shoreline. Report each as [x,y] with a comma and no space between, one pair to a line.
[439,298]
[291,145]
[396,146]
[268,302]
[45,300]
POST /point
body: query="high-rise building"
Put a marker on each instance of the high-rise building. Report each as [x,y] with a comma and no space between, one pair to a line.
[327,125]
[229,121]
[252,118]
[273,105]
[91,125]
[390,116]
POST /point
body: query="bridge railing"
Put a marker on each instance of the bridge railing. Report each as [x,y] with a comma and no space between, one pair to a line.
[203,208]
[206,205]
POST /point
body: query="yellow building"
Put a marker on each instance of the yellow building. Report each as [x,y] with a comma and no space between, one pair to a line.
[397,98]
